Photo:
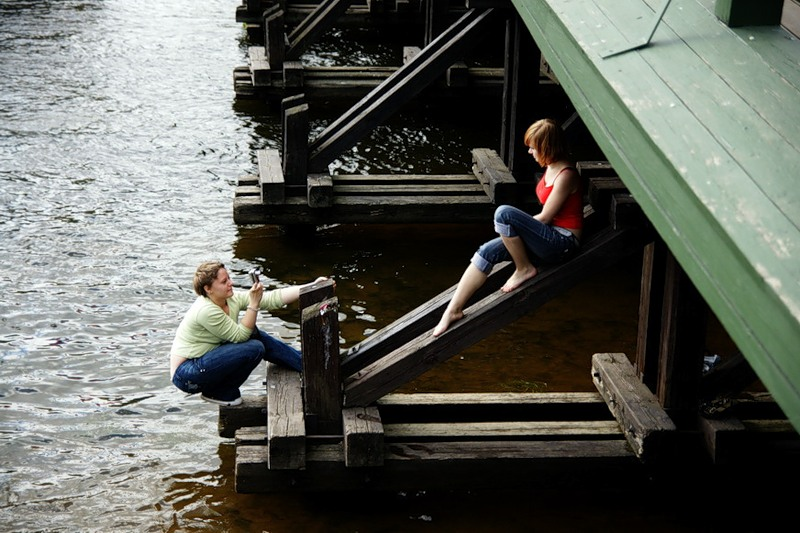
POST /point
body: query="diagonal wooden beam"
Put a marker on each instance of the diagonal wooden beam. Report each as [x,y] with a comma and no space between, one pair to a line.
[399,88]
[485,317]
[317,22]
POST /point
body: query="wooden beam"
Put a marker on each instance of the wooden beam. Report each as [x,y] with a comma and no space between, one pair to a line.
[270,176]
[286,433]
[363,437]
[643,420]
[399,88]
[486,316]
[322,389]
[315,24]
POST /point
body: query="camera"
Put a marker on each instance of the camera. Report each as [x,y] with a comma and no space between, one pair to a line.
[254,273]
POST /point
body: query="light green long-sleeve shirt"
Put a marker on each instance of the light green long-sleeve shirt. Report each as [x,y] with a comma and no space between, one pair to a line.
[206,325]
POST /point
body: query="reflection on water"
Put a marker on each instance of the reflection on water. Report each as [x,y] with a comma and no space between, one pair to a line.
[120,146]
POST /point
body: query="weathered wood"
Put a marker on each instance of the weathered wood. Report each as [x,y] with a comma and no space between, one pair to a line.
[316,292]
[457,75]
[405,83]
[259,66]
[489,314]
[363,436]
[651,306]
[270,176]
[597,429]
[321,362]
[293,74]
[274,36]
[295,145]
[496,178]
[683,342]
[643,420]
[251,412]
[285,422]
[432,465]
[320,190]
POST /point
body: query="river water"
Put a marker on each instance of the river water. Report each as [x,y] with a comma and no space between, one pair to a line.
[120,145]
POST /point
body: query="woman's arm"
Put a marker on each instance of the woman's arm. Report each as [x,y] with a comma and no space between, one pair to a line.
[290,295]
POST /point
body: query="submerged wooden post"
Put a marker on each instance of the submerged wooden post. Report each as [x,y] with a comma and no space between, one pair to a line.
[322,388]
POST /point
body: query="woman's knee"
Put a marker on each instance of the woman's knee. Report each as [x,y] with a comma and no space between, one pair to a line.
[504,217]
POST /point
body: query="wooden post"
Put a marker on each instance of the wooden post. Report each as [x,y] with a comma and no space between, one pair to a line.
[520,95]
[651,303]
[275,37]
[322,388]
[295,145]
[683,335]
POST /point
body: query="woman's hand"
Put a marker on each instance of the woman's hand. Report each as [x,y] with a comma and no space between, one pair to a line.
[255,293]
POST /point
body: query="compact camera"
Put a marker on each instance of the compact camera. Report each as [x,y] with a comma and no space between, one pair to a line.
[254,275]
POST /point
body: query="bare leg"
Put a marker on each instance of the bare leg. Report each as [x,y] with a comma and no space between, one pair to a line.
[470,281]
[525,270]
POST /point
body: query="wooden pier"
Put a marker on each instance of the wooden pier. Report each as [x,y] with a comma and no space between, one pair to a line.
[343,426]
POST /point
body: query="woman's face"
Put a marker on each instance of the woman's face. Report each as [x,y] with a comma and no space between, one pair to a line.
[221,287]
[534,153]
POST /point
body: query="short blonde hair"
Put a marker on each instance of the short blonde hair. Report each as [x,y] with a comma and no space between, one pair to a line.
[547,138]
[205,275]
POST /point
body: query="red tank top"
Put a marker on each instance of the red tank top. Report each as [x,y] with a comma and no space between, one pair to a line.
[570,215]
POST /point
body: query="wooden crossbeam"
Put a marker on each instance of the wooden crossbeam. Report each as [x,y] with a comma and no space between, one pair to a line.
[399,88]
[486,316]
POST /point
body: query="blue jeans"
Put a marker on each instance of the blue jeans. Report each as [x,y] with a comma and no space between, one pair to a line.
[220,372]
[544,243]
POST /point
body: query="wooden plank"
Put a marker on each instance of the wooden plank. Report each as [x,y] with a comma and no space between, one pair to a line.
[363,437]
[709,88]
[270,176]
[503,430]
[251,412]
[286,442]
[432,465]
[644,421]
[494,176]
[486,316]
[259,66]
[320,20]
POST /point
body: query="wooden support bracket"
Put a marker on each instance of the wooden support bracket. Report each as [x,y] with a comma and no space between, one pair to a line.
[259,66]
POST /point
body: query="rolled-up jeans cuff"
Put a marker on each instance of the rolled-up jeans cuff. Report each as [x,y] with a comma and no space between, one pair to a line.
[504,230]
[481,264]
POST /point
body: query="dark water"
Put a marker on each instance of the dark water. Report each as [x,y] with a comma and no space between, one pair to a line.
[120,146]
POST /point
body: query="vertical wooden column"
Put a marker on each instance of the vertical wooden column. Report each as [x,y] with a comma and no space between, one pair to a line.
[322,390]
[295,143]
[520,97]
[651,302]
[683,336]
[275,37]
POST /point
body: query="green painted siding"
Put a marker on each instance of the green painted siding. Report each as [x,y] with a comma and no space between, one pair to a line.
[703,126]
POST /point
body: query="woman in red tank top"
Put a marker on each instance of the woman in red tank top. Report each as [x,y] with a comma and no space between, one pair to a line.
[550,236]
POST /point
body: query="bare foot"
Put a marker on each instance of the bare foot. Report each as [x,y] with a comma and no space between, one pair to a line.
[518,278]
[447,318]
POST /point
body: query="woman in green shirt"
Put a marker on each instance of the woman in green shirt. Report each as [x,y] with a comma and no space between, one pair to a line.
[214,352]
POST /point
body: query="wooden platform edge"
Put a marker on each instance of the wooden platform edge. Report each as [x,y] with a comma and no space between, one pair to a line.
[641,417]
